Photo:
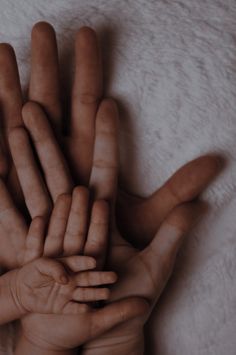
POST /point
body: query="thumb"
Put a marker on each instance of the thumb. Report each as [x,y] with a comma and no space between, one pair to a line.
[54,269]
[116,313]
[140,218]
[159,256]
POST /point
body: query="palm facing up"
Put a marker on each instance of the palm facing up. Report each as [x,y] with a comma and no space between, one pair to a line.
[44,285]
[138,219]
[44,88]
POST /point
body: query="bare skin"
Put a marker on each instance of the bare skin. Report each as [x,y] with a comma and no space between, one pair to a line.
[45,286]
[86,95]
[89,122]
[67,234]
[33,288]
[141,273]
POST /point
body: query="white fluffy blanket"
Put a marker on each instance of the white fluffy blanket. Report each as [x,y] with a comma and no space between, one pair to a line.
[172,65]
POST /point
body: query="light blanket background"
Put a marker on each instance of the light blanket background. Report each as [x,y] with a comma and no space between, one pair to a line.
[172,66]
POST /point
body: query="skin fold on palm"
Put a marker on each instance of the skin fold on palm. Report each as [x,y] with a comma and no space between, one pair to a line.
[45,286]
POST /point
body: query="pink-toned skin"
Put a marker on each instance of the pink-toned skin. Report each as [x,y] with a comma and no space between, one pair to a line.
[94,129]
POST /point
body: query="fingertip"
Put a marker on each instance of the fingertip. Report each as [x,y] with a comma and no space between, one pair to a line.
[113,277]
[106,293]
[63,199]
[100,211]
[38,222]
[85,35]
[109,106]
[6,50]
[30,110]
[109,102]
[80,192]
[42,28]
[192,178]
[214,162]
[92,263]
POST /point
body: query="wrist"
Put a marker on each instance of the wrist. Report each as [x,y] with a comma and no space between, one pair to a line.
[11,309]
[26,347]
[126,344]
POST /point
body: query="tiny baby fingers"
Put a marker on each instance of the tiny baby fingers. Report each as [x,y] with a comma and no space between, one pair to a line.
[90,294]
[95,278]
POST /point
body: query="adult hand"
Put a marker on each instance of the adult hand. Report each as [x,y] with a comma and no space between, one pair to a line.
[85,100]
[86,95]
[142,273]
[67,235]
[44,88]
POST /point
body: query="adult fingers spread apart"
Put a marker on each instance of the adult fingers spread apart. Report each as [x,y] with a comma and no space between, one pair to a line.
[44,87]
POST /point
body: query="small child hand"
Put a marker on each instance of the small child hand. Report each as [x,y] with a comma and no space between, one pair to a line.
[45,286]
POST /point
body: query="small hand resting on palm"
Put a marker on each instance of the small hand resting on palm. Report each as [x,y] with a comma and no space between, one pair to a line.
[54,286]
[45,286]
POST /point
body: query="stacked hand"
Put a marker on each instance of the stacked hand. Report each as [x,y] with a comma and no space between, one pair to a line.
[73,227]
[157,223]
[44,286]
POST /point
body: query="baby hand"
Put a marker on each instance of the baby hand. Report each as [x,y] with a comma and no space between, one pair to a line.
[51,286]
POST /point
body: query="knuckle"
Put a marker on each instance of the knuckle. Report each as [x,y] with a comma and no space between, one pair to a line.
[88,98]
[103,164]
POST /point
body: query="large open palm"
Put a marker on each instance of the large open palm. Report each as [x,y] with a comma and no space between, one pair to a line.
[44,88]
[91,150]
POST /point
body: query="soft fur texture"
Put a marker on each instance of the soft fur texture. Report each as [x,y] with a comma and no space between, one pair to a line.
[172,66]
